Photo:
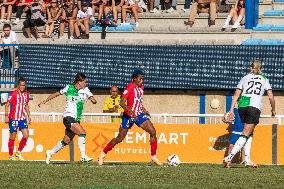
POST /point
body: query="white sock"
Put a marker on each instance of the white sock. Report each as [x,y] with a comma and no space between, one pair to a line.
[240,17]
[247,149]
[237,147]
[17,19]
[82,144]
[229,17]
[57,147]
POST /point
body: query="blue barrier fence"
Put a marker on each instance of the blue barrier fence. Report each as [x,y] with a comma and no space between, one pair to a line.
[166,67]
[8,65]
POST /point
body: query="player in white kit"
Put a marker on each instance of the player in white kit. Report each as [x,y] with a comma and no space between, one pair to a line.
[248,95]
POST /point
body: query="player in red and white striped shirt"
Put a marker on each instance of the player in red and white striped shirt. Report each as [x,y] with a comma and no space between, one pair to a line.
[134,113]
[17,117]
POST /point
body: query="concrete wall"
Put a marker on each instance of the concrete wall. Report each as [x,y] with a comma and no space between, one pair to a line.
[156,101]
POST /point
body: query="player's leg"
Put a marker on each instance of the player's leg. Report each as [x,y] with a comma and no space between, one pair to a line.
[69,135]
[249,116]
[126,123]
[80,131]
[247,149]
[149,128]
[13,126]
[25,131]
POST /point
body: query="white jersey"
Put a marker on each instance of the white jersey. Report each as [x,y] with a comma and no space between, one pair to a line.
[75,100]
[82,14]
[253,87]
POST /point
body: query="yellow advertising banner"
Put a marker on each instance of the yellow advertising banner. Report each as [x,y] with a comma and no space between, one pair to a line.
[193,143]
[280,145]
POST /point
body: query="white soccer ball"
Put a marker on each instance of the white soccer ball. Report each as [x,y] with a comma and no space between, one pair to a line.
[173,160]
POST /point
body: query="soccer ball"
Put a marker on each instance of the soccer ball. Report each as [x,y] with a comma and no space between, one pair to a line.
[173,160]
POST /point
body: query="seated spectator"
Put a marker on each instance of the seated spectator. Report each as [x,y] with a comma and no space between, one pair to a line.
[202,6]
[111,104]
[36,18]
[116,8]
[236,15]
[9,37]
[7,5]
[53,14]
[169,5]
[83,19]
[20,6]
[154,6]
[134,7]
[68,19]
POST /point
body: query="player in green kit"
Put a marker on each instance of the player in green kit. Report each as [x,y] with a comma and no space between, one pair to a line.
[76,93]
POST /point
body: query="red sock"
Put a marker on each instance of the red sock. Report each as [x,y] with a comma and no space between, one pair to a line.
[107,148]
[154,145]
[11,146]
[22,144]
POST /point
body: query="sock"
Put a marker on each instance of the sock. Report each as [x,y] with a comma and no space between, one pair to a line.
[154,145]
[82,144]
[228,20]
[58,147]
[11,146]
[22,144]
[247,149]
[239,18]
[107,148]
[237,147]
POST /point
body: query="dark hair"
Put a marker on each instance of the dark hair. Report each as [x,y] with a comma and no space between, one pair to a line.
[136,73]
[6,26]
[79,77]
[21,79]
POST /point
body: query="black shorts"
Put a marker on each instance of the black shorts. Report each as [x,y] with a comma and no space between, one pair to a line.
[249,115]
[31,23]
[67,121]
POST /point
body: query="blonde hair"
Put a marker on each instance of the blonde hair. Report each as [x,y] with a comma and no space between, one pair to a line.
[256,66]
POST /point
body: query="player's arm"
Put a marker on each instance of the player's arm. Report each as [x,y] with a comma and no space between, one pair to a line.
[50,97]
[7,106]
[125,107]
[236,96]
[28,113]
[92,99]
[272,102]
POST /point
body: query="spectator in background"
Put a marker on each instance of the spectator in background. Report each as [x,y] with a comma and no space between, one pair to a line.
[202,6]
[154,6]
[186,5]
[134,7]
[7,5]
[20,6]
[111,104]
[36,19]
[68,19]
[116,8]
[83,19]
[53,14]
[170,5]
[236,15]
[9,37]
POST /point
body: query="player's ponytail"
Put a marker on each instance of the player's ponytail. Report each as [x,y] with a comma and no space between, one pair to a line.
[256,67]
[79,78]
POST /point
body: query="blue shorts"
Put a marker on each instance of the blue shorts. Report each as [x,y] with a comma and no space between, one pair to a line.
[15,124]
[127,121]
[234,137]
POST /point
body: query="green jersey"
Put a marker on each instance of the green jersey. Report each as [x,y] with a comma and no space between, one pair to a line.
[75,100]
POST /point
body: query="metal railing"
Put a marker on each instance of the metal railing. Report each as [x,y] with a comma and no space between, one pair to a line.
[164,118]
[8,66]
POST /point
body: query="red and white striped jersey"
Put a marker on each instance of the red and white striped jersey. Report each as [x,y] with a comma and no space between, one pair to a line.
[134,98]
[18,102]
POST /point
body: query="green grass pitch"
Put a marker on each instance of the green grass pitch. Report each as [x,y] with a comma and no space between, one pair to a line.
[135,175]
